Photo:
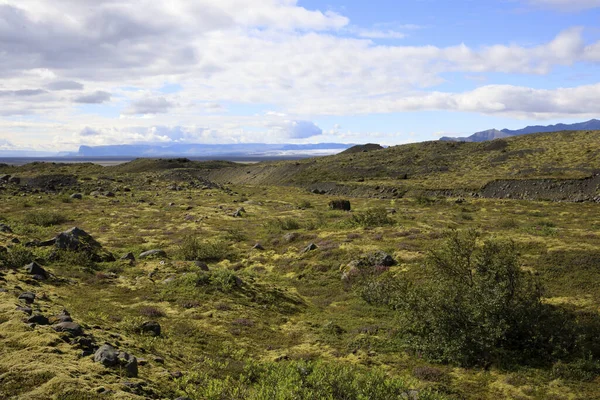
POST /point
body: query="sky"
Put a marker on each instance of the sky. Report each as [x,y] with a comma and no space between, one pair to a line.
[100,72]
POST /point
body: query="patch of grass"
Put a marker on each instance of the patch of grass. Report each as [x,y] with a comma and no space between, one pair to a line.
[372,218]
[297,380]
[44,218]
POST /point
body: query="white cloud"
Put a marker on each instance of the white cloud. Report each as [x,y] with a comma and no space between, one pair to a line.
[269,54]
[64,85]
[97,97]
[502,100]
[295,129]
[149,105]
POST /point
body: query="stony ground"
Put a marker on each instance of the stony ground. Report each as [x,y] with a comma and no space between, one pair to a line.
[247,279]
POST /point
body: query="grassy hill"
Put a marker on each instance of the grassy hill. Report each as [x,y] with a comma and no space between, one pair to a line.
[438,165]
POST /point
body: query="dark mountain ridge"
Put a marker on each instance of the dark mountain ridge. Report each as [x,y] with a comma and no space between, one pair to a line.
[492,134]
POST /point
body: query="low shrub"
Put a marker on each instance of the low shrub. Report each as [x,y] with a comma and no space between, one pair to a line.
[372,218]
[192,249]
[476,306]
[296,380]
[44,218]
[16,257]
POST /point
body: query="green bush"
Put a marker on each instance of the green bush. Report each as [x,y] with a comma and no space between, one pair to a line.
[372,218]
[476,306]
[192,249]
[44,218]
[16,257]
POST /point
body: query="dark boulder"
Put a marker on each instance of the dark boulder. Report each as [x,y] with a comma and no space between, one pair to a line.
[64,316]
[258,246]
[26,310]
[202,265]
[156,253]
[76,239]
[106,355]
[27,297]
[14,180]
[129,256]
[5,228]
[310,247]
[150,327]
[110,357]
[72,328]
[36,270]
[77,196]
[38,319]
[339,204]
[380,258]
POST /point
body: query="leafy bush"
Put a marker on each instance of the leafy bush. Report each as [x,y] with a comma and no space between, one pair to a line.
[192,249]
[477,306]
[189,287]
[372,217]
[584,369]
[16,257]
[44,218]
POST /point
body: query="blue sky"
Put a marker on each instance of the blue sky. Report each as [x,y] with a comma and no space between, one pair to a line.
[231,71]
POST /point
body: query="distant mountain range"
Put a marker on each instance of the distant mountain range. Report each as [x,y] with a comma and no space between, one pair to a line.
[212,150]
[492,134]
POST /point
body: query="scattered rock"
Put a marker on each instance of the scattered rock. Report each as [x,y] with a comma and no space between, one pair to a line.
[27,297]
[129,362]
[108,356]
[150,327]
[38,319]
[176,374]
[5,228]
[258,246]
[14,180]
[290,237]
[343,205]
[26,310]
[72,328]
[202,265]
[159,360]
[310,247]
[129,256]
[36,270]
[156,253]
[64,316]
[77,196]
[380,258]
